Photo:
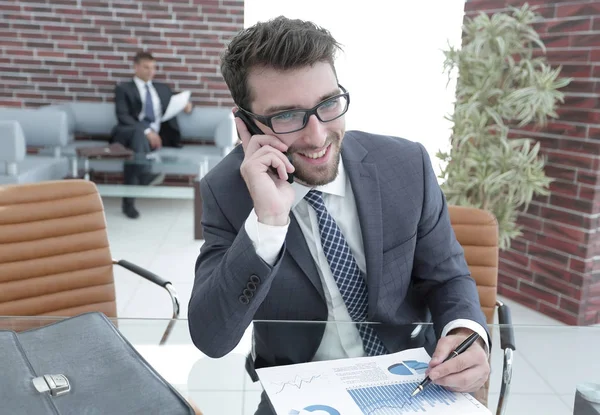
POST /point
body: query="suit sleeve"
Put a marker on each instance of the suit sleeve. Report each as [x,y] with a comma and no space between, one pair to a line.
[440,270]
[231,282]
[122,108]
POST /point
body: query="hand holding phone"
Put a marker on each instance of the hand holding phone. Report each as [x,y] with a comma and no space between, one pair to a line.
[254,130]
[264,170]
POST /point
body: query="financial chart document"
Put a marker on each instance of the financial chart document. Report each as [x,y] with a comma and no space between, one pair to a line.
[379,385]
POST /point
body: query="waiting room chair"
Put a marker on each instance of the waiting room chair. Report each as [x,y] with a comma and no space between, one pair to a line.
[54,253]
[477,232]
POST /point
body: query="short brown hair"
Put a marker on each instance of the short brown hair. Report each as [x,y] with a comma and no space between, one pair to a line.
[143,56]
[280,43]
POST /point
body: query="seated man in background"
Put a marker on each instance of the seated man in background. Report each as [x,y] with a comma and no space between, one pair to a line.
[139,104]
[362,234]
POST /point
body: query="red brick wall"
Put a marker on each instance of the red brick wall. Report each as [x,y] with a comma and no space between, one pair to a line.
[63,50]
[555,266]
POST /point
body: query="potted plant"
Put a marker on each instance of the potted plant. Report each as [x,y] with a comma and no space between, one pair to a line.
[501,84]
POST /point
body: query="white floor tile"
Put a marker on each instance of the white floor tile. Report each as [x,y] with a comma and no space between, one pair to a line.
[152,301]
[569,400]
[218,403]
[251,401]
[126,284]
[185,220]
[150,229]
[224,374]
[518,404]
[249,385]
[181,242]
[538,346]
[177,267]
[525,379]
[525,315]
[149,332]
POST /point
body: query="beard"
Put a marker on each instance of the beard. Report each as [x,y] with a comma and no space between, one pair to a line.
[311,175]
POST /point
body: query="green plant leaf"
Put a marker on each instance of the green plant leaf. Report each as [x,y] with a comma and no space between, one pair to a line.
[499,85]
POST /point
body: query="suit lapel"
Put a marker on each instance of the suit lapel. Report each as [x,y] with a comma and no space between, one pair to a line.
[365,186]
[137,99]
[296,246]
[162,95]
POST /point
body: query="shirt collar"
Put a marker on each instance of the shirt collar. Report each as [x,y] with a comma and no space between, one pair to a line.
[141,83]
[337,187]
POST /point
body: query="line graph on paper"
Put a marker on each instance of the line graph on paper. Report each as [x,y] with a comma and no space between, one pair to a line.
[298,382]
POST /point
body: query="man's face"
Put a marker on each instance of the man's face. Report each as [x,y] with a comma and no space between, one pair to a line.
[315,150]
[145,69]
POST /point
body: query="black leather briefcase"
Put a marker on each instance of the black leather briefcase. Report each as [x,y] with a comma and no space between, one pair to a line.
[80,366]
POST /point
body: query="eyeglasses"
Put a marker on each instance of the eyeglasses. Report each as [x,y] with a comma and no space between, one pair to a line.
[286,122]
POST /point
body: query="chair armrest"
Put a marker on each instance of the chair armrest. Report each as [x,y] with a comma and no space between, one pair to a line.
[12,145]
[507,334]
[150,276]
[507,343]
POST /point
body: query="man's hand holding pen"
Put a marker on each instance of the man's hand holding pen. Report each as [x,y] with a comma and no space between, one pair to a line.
[464,373]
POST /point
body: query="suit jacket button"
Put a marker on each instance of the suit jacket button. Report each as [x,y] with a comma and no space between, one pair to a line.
[255,279]
[243,299]
[248,293]
[251,286]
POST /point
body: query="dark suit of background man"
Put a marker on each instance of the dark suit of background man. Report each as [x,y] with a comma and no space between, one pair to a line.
[362,234]
[139,104]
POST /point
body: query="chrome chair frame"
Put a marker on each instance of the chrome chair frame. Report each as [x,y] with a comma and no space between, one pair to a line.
[150,276]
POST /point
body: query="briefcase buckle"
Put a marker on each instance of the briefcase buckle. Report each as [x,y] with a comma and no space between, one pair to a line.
[55,384]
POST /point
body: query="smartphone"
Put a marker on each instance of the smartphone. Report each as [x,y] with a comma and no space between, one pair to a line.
[254,130]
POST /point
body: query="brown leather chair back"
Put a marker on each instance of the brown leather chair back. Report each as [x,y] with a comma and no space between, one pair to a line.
[54,253]
[477,232]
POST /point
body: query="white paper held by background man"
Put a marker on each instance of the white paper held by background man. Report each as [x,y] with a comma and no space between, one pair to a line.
[176,105]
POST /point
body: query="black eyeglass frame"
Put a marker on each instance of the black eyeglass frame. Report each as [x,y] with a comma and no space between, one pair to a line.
[266,120]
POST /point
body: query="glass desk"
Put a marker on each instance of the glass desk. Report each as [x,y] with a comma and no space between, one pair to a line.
[549,362]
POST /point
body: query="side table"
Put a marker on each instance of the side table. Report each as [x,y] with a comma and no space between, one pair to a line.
[113,151]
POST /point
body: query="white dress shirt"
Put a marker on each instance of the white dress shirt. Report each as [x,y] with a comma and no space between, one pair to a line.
[141,86]
[339,340]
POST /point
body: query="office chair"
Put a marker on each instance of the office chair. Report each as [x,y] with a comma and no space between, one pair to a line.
[477,232]
[54,253]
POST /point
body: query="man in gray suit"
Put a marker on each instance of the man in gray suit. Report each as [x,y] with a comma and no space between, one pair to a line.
[362,234]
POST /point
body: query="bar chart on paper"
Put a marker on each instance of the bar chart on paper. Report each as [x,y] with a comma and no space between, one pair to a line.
[394,399]
[377,385]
